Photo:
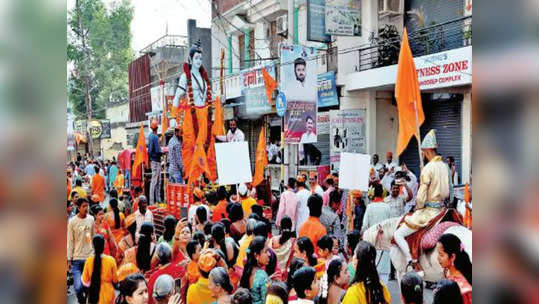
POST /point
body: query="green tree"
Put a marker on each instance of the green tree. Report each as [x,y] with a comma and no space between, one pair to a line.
[98,52]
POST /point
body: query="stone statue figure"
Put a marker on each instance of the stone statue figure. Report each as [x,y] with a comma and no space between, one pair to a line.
[195,76]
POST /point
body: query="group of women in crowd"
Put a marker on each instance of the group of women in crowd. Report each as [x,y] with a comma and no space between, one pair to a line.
[232,257]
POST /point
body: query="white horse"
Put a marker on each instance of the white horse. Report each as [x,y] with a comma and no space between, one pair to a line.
[428,260]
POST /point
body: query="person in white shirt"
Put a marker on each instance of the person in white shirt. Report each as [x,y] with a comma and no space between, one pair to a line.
[303,196]
[309,136]
[315,187]
[274,152]
[142,215]
[375,164]
[389,163]
[234,134]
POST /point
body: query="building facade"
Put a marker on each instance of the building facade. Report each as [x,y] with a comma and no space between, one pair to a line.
[363,59]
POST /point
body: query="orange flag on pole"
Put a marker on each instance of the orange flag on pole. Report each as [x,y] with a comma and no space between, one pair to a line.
[188,134]
[270,84]
[164,124]
[212,162]
[141,154]
[408,97]
[261,158]
[199,164]
[218,127]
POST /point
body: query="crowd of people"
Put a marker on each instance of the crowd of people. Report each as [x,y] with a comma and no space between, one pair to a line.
[225,250]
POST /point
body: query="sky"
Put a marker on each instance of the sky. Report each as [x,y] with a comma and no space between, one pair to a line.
[152,16]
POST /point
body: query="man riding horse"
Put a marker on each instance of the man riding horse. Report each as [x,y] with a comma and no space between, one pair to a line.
[434,191]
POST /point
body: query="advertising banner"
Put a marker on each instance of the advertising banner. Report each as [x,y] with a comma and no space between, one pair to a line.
[343,17]
[327,90]
[347,134]
[299,86]
[300,122]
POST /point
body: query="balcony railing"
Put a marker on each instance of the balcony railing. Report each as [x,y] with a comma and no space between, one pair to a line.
[424,41]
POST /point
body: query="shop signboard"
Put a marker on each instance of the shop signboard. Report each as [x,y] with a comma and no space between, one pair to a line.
[327,90]
[254,91]
[299,86]
[316,21]
[347,134]
[343,17]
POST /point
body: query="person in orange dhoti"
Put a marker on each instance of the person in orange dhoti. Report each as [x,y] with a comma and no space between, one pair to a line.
[98,184]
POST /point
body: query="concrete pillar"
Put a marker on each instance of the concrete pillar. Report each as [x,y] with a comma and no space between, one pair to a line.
[466,136]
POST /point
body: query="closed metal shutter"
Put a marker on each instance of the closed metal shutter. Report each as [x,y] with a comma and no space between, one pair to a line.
[442,113]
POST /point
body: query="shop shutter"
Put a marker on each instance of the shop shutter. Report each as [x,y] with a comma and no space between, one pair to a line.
[442,113]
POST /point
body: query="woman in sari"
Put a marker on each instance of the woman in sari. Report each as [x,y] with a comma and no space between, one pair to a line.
[456,264]
[143,254]
[102,227]
[283,244]
[116,220]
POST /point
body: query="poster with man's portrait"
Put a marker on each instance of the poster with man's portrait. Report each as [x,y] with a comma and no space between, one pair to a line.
[299,84]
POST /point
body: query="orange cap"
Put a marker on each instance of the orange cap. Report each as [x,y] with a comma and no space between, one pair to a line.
[126,270]
[300,178]
[154,124]
[207,261]
[389,154]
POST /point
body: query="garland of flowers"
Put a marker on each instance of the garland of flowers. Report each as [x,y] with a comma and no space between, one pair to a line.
[204,74]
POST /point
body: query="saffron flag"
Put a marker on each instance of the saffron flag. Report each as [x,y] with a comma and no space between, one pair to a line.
[164,124]
[218,127]
[261,158]
[408,97]
[188,134]
[270,84]
[199,164]
[212,162]
[141,154]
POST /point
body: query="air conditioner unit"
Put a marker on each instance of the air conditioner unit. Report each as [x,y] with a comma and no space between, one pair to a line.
[282,24]
[390,7]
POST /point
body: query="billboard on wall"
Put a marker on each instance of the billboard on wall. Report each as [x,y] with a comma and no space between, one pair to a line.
[299,87]
[254,91]
[316,21]
[327,90]
[347,134]
[343,17]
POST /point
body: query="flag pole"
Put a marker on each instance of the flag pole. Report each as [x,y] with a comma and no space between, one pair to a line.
[418,137]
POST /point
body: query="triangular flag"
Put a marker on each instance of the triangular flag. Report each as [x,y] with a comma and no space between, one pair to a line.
[212,162]
[141,154]
[218,127]
[188,135]
[408,97]
[199,164]
[261,158]
[270,84]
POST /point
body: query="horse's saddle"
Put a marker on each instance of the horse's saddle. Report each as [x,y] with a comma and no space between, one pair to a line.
[426,238]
